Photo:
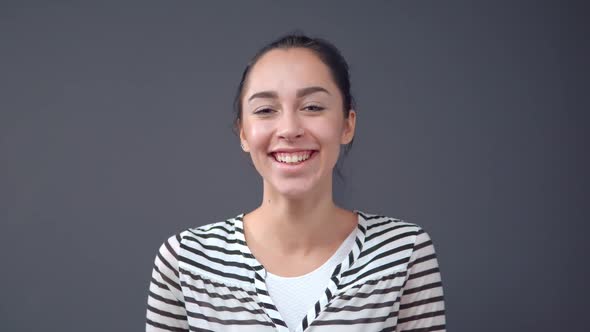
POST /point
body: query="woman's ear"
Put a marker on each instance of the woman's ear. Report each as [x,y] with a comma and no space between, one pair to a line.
[349,126]
[243,141]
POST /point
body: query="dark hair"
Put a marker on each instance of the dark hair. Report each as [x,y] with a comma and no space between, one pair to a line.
[326,52]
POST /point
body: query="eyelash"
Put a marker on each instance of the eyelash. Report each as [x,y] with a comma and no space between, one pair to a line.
[265,111]
[317,108]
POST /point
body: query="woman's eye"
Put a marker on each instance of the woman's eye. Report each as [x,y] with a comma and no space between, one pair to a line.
[264,111]
[313,108]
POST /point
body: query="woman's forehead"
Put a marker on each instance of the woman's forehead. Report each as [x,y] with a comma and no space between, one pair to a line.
[288,69]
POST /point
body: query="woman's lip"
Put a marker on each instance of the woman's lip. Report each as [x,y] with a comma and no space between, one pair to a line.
[312,154]
[292,151]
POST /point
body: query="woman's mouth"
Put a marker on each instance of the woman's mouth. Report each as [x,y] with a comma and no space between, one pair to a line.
[293,158]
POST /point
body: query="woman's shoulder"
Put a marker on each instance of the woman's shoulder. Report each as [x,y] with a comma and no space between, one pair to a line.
[408,241]
[379,227]
[380,221]
[211,251]
[211,233]
[213,236]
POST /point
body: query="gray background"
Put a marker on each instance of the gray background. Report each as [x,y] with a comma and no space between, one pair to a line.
[115,134]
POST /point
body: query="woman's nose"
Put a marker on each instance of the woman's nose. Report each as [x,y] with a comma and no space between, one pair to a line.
[289,126]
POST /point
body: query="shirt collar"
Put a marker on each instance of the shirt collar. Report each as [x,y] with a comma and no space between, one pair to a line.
[257,268]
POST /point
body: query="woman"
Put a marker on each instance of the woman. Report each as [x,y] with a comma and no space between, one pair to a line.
[298,262]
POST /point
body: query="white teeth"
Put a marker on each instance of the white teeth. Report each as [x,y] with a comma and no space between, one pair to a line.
[292,157]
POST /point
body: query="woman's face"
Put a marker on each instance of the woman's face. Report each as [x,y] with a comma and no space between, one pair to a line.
[293,122]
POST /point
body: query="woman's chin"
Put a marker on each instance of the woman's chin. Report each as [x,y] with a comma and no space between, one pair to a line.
[295,190]
[294,193]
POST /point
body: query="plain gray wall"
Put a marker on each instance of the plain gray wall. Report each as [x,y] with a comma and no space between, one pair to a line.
[115,134]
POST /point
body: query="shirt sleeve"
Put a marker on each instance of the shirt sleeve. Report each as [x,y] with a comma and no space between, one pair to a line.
[165,306]
[422,305]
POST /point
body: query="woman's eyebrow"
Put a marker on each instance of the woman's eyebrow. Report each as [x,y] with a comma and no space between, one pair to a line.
[264,95]
[300,93]
[309,90]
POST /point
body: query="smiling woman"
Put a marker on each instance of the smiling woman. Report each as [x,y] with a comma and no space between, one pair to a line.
[291,106]
[298,262]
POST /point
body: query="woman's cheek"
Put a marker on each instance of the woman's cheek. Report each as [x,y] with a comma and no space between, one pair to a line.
[260,135]
[326,132]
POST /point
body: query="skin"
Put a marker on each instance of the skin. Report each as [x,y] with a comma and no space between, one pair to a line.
[290,101]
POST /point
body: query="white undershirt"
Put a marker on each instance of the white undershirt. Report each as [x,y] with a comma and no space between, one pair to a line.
[294,296]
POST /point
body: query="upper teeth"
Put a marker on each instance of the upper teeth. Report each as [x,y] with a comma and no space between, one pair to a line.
[292,157]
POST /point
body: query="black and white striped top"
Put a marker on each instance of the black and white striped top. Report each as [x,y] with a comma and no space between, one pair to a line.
[206,279]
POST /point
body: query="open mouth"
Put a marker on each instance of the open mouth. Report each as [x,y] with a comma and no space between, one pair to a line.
[293,158]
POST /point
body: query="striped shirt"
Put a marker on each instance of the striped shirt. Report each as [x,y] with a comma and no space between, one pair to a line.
[206,279]
[293,296]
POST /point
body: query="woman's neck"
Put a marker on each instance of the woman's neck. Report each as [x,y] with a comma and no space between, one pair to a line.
[298,226]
